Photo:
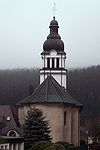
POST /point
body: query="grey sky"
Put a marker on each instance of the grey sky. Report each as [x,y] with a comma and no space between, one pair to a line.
[24,26]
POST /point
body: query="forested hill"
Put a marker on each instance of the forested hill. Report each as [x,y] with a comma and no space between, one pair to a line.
[83,85]
[14,84]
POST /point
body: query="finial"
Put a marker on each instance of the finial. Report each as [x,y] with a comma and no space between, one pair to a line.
[54,17]
[54,9]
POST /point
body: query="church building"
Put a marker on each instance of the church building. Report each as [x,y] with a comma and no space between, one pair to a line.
[51,96]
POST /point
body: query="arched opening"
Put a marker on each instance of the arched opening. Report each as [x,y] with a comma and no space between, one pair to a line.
[48,62]
[65,115]
[57,62]
[12,133]
[52,62]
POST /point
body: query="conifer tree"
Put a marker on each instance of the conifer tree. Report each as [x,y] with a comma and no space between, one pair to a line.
[36,128]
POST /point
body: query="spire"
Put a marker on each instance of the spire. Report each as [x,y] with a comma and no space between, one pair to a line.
[54,10]
[53,17]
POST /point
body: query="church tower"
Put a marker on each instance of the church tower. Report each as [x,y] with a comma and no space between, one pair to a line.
[62,111]
[53,56]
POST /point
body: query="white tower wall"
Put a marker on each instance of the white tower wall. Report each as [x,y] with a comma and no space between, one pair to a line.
[60,73]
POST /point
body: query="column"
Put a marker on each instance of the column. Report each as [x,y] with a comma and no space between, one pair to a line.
[45,62]
[64,63]
[50,62]
[16,146]
[22,146]
[60,62]
[12,146]
[54,62]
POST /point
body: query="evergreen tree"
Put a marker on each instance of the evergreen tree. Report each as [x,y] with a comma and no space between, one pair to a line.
[36,128]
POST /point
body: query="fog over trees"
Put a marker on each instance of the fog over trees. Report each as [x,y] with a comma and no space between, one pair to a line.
[83,85]
[14,84]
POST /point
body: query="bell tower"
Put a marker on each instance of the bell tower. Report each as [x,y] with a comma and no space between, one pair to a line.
[53,56]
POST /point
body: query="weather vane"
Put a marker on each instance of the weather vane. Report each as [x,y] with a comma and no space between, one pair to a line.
[54,9]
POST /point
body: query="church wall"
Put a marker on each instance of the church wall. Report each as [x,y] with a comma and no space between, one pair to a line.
[55,115]
[67,127]
[21,115]
[75,126]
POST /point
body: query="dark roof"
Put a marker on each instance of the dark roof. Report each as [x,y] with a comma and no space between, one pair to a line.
[50,91]
[54,22]
[14,128]
[53,41]
[8,118]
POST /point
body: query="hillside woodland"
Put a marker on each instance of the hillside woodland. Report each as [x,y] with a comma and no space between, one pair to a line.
[83,85]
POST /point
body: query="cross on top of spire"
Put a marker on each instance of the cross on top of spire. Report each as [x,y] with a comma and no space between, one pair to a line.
[54,9]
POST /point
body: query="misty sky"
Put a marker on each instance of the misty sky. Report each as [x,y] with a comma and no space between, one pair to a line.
[24,26]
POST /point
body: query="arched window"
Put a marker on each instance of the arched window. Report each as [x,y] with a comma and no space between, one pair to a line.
[65,114]
[52,62]
[48,62]
[12,133]
[57,62]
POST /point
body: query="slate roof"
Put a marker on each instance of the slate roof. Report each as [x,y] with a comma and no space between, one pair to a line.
[50,91]
[5,124]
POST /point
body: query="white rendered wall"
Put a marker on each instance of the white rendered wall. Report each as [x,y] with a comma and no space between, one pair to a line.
[57,73]
[55,115]
[61,79]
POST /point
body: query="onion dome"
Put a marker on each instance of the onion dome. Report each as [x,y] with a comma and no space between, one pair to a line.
[54,22]
[53,41]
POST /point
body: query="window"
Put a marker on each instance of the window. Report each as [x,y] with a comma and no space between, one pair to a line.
[48,62]
[2,147]
[12,133]
[65,118]
[52,62]
[57,62]
[8,118]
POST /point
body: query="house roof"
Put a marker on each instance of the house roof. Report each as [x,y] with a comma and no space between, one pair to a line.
[8,118]
[50,91]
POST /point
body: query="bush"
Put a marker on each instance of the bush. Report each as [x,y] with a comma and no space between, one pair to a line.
[82,142]
[41,145]
[46,145]
[66,145]
[55,146]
